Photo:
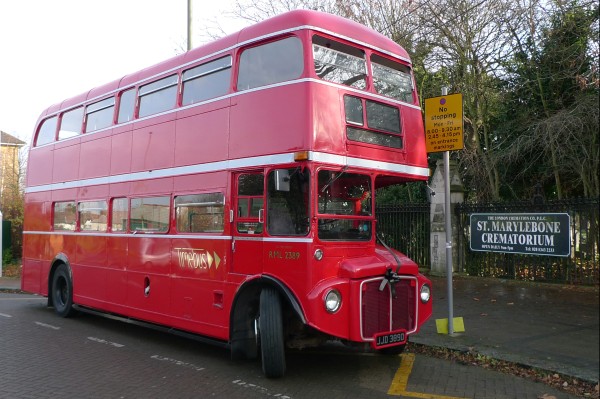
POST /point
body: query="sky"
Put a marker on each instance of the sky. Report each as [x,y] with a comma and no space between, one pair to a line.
[51,50]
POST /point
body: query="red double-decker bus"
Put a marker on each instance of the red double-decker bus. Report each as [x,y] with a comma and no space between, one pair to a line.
[228,193]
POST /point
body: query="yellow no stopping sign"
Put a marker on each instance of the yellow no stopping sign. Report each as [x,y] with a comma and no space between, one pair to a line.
[444,123]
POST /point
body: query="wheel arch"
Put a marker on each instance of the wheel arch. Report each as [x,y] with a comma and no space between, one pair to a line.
[245,307]
[287,295]
[250,291]
[60,259]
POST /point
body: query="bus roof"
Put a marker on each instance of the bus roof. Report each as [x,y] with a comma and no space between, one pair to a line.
[289,21]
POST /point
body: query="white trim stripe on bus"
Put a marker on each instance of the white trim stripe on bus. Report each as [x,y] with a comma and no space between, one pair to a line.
[273,239]
[277,159]
[367,163]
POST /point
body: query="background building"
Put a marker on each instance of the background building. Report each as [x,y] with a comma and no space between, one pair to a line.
[12,170]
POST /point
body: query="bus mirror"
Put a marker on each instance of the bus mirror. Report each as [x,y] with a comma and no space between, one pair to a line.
[282,180]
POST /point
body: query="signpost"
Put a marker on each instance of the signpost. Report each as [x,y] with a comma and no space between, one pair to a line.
[444,132]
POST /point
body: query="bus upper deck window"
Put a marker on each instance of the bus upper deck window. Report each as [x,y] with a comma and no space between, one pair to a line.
[354,110]
[339,63]
[70,124]
[269,63]
[99,115]
[158,96]
[206,81]
[392,79]
[47,131]
[126,106]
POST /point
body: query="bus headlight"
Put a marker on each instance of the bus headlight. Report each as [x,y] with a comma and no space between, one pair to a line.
[333,301]
[425,293]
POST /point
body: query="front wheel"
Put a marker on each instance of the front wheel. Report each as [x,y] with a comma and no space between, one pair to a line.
[270,324]
[62,292]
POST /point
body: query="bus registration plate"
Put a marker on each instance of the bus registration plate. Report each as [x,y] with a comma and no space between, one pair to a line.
[383,340]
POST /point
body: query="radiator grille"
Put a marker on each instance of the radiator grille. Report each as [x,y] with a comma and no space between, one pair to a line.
[380,312]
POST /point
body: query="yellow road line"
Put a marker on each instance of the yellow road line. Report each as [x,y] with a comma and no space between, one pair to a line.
[400,381]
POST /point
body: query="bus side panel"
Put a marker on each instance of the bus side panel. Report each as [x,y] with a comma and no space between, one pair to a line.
[36,215]
[120,154]
[116,267]
[202,136]
[40,166]
[414,139]
[95,156]
[330,134]
[151,186]
[37,219]
[153,145]
[206,182]
[93,193]
[287,261]
[148,280]
[260,119]
[66,161]
[90,272]
[31,273]
[197,293]
[65,244]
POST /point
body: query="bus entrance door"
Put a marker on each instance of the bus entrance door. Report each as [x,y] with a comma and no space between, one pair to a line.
[248,228]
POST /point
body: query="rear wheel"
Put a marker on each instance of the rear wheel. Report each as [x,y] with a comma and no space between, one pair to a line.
[271,334]
[62,292]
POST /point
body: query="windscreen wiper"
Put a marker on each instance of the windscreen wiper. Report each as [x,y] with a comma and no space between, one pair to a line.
[334,178]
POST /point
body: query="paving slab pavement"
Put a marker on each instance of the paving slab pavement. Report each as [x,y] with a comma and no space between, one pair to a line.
[548,326]
[10,283]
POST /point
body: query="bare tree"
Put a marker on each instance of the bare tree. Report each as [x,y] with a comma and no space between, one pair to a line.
[468,40]
[258,10]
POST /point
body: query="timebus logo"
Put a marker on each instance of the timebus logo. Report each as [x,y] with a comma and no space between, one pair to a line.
[192,258]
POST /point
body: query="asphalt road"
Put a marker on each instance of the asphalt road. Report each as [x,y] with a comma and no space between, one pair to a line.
[45,356]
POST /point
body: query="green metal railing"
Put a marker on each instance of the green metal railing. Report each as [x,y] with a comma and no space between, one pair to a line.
[406,229]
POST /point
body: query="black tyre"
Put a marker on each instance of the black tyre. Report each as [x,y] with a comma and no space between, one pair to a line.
[62,292]
[271,334]
[246,348]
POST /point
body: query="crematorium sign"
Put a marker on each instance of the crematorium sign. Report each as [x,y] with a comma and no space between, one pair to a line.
[522,233]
